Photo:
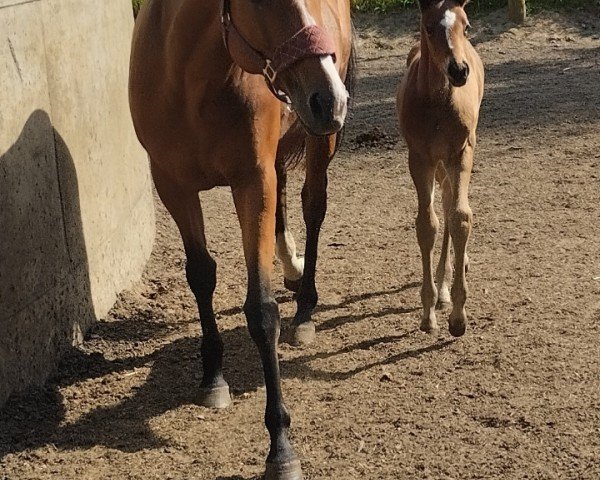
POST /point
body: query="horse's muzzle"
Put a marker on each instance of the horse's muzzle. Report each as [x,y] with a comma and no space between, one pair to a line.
[458,73]
[328,112]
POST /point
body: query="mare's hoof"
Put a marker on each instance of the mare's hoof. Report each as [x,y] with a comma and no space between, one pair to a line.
[303,334]
[292,285]
[284,471]
[215,397]
[457,327]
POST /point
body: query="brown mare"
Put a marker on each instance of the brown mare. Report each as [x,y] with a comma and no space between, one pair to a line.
[438,107]
[209,84]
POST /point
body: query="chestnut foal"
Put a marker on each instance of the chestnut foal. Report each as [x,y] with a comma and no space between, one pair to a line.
[209,83]
[438,107]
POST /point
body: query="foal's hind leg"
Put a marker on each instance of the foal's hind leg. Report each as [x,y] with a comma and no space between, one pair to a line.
[319,152]
[460,222]
[255,203]
[423,175]
[201,272]
[443,275]
[293,266]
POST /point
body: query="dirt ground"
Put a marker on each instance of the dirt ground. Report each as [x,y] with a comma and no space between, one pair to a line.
[517,398]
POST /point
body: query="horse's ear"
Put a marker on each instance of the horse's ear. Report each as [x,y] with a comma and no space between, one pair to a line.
[462,3]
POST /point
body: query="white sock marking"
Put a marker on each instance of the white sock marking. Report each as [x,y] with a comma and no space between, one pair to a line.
[293,267]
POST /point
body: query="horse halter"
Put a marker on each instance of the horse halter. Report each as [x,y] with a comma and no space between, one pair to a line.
[311,41]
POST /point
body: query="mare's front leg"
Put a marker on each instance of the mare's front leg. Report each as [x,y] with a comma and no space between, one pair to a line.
[460,223]
[319,152]
[255,201]
[423,174]
[201,272]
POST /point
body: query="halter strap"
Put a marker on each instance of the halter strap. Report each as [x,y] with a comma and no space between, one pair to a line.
[311,41]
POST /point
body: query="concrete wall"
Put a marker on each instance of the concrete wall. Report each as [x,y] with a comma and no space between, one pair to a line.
[76,212]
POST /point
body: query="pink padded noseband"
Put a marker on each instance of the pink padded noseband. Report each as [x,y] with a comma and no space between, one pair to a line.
[311,41]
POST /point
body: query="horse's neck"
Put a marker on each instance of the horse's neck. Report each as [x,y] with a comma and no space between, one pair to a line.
[432,82]
[197,40]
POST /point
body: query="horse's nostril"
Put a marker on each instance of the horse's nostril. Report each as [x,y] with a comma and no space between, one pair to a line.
[315,105]
[458,72]
[321,105]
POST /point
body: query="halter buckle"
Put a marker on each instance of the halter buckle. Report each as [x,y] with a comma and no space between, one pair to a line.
[269,72]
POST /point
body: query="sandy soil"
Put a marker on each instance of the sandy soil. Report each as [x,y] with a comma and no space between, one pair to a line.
[517,398]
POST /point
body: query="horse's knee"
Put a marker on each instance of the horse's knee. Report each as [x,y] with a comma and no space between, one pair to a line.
[461,218]
[427,224]
[263,321]
[460,222]
[201,274]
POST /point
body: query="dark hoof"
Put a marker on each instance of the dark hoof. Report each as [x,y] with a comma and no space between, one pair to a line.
[303,334]
[284,471]
[457,328]
[215,397]
[292,285]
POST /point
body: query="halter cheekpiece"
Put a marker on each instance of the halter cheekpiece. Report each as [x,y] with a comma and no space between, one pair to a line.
[310,41]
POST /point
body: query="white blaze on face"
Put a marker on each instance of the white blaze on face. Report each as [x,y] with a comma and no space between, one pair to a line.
[448,23]
[337,87]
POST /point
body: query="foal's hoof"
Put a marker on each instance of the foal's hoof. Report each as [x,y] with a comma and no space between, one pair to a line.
[443,304]
[303,334]
[284,471]
[292,285]
[215,397]
[429,327]
[457,327]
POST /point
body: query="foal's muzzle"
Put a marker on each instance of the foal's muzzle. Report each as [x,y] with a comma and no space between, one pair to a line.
[458,73]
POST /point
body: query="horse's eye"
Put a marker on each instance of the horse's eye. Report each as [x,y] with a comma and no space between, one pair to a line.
[467,28]
[430,30]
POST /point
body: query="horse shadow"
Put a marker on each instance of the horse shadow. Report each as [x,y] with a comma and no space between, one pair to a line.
[37,418]
[45,294]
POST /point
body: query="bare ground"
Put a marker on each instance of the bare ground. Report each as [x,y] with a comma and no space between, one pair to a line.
[517,398]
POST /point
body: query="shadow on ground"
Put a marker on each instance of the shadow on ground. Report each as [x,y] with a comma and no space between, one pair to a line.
[35,419]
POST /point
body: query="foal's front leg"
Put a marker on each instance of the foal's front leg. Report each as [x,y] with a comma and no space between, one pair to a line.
[319,152]
[443,276]
[460,222]
[255,203]
[423,174]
